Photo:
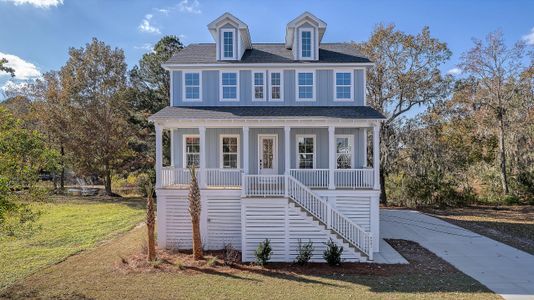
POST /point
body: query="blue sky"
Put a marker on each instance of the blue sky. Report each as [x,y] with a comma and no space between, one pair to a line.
[36,34]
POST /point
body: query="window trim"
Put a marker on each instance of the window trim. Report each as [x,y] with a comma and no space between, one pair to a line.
[221,153]
[314,85]
[297,161]
[352,97]
[351,143]
[312,46]
[234,46]
[184,149]
[254,99]
[184,99]
[281,86]
[236,99]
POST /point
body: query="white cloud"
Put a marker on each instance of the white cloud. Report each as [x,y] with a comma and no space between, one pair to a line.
[454,71]
[145,25]
[23,70]
[145,46]
[164,11]
[14,88]
[529,38]
[189,6]
[37,3]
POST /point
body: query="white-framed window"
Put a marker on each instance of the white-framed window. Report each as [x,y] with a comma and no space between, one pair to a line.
[306,43]
[343,83]
[229,86]
[276,80]
[305,86]
[258,86]
[191,150]
[344,151]
[305,151]
[192,86]
[228,44]
[229,158]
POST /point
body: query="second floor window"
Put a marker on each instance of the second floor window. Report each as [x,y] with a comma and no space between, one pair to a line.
[305,86]
[192,151]
[343,86]
[192,86]
[344,152]
[306,152]
[276,86]
[228,44]
[230,152]
[259,86]
[306,43]
[229,86]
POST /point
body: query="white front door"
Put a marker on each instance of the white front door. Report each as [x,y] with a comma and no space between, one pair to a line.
[268,154]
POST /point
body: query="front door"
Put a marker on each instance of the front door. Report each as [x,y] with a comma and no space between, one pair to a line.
[268,154]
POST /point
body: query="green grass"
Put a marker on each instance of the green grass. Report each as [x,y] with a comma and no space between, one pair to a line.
[67,226]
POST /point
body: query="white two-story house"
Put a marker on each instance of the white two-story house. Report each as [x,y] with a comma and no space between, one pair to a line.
[280,134]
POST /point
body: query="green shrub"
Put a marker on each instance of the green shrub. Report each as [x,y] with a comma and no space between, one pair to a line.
[332,254]
[263,252]
[512,200]
[305,252]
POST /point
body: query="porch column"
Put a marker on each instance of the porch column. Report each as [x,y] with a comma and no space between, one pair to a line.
[365,147]
[287,152]
[331,157]
[376,155]
[159,154]
[202,135]
[172,146]
[246,147]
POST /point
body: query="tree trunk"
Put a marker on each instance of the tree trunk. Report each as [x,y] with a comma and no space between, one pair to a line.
[107,181]
[383,195]
[502,156]
[197,243]
[62,178]
[150,224]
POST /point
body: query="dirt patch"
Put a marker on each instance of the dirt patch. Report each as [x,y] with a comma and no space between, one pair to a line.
[420,261]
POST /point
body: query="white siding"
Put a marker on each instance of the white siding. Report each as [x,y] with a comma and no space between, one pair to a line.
[224,222]
[356,208]
[178,222]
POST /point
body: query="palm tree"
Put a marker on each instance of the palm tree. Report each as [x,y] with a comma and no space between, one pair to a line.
[194,211]
[150,223]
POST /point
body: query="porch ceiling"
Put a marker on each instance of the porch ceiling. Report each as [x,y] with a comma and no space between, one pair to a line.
[267,113]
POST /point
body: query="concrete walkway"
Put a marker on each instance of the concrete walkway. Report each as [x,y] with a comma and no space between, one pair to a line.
[503,269]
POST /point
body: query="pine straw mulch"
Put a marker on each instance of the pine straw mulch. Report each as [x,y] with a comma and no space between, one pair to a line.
[420,260]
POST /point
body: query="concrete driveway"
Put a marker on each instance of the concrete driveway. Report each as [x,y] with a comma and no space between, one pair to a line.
[503,269]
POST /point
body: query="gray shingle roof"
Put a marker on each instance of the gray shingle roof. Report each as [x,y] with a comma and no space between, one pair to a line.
[267,112]
[268,53]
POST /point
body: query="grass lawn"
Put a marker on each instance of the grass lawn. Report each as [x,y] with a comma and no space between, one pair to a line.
[512,225]
[100,274]
[67,226]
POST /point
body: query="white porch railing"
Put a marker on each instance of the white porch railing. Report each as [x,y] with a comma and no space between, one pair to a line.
[224,177]
[314,178]
[354,178]
[175,176]
[287,185]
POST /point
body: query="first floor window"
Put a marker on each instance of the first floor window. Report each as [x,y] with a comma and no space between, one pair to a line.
[192,151]
[344,152]
[192,86]
[305,86]
[230,152]
[276,86]
[229,86]
[259,83]
[343,85]
[306,152]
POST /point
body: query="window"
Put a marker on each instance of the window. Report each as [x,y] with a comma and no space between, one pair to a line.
[343,83]
[192,87]
[305,86]
[306,43]
[276,86]
[258,86]
[230,151]
[229,86]
[306,151]
[228,43]
[191,151]
[344,152]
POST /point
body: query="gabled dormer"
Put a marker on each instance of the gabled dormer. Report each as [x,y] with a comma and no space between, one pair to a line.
[304,35]
[231,37]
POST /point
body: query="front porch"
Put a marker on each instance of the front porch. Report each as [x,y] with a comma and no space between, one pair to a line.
[320,157]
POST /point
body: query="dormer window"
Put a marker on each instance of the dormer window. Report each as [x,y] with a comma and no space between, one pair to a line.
[228,43]
[306,43]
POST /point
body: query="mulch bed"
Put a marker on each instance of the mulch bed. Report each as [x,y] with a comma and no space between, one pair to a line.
[420,260]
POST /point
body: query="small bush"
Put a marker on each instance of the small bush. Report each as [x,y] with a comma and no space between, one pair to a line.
[230,255]
[305,252]
[212,261]
[263,252]
[512,200]
[332,254]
